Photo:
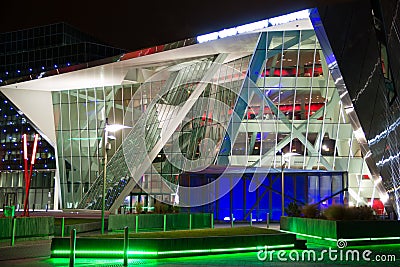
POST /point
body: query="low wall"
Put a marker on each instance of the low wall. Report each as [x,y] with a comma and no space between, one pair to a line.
[27,227]
[80,228]
[354,229]
[315,227]
[155,222]
[168,247]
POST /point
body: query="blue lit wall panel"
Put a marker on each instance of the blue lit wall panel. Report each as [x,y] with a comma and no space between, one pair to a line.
[250,198]
[304,188]
[301,188]
[263,205]
[237,201]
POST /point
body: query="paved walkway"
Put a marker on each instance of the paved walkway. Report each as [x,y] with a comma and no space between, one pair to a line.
[34,253]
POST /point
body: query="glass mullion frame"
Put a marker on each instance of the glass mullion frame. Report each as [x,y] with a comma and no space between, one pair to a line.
[245,119]
[198,135]
[295,93]
[171,93]
[327,80]
[151,125]
[123,110]
[263,102]
[70,148]
[177,84]
[89,181]
[350,155]
[183,93]
[61,157]
[360,177]
[131,104]
[191,147]
[233,108]
[338,126]
[112,103]
[80,142]
[117,115]
[202,133]
[97,155]
[279,97]
[214,108]
[168,95]
[106,114]
[228,70]
[309,106]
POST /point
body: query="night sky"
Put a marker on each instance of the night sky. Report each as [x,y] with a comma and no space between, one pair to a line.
[139,24]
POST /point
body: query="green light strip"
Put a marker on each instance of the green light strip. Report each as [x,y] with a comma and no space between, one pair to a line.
[356,239]
[156,253]
[330,239]
[345,239]
[312,236]
[84,252]
[385,238]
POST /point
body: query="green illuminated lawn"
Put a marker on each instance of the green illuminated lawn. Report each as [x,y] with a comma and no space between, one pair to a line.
[197,233]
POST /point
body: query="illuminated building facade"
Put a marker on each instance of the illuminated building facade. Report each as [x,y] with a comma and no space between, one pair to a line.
[214,123]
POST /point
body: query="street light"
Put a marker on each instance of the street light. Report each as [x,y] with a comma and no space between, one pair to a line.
[106,144]
[283,163]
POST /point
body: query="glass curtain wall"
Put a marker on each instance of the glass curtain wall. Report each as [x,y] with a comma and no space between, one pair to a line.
[299,112]
[191,105]
[80,119]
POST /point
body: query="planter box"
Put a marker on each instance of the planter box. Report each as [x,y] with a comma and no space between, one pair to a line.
[155,222]
[27,227]
[169,247]
[329,229]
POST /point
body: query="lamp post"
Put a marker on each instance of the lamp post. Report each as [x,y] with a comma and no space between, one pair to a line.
[103,197]
[107,128]
[283,183]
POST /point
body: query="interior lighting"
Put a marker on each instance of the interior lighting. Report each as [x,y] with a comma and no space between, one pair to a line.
[115,127]
[359,134]
[377,181]
[384,198]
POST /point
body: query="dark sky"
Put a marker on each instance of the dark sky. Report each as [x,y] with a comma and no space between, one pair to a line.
[135,24]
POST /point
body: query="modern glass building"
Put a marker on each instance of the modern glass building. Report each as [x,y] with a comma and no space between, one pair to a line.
[48,47]
[239,121]
[33,53]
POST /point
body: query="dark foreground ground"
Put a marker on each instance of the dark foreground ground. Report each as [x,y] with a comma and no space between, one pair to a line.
[37,253]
